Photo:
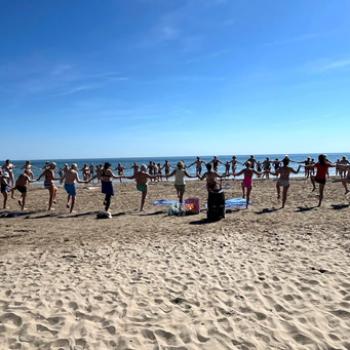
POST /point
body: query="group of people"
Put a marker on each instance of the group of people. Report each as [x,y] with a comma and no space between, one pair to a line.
[69,176]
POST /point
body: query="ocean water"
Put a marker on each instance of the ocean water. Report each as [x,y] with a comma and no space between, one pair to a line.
[37,165]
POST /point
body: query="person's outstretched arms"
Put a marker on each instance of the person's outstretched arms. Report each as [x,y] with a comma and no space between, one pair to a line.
[171,174]
[239,173]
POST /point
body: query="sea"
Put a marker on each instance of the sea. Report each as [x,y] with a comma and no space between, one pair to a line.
[37,165]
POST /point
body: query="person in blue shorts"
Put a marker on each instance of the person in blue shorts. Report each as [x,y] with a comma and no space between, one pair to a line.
[70,178]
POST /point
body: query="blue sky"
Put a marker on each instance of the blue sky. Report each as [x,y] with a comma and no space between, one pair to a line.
[119,78]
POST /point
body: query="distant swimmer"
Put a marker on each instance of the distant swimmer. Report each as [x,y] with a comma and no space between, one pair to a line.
[141,177]
[70,178]
[180,183]
[22,183]
[283,174]
[247,183]
[49,178]
[198,163]
[213,179]
[320,178]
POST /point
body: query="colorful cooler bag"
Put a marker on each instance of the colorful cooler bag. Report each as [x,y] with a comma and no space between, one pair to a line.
[192,206]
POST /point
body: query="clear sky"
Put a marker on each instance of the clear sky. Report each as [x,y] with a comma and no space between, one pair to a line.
[118,78]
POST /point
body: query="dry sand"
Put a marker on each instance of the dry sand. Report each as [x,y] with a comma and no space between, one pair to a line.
[259,279]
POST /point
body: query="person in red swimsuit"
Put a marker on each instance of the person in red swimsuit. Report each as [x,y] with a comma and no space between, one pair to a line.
[321,167]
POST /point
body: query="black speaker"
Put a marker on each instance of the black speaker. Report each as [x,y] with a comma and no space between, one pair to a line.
[216,205]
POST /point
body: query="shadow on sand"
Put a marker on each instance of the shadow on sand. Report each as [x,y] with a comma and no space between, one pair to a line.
[267,211]
[340,206]
[7,214]
[303,209]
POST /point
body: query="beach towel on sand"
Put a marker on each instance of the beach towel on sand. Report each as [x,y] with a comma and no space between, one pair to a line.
[233,203]
[165,202]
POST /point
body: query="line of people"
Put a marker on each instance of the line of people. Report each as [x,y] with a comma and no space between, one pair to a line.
[69,175]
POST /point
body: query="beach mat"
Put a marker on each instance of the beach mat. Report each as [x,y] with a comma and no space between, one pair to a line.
[236,203]
[165,202]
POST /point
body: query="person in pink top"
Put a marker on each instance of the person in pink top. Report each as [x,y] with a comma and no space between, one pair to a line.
[320,178]
[247,183]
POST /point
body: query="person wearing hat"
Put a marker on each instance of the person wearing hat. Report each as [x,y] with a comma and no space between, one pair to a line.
[180,184]
[70,178]
[141,177]
[49,178]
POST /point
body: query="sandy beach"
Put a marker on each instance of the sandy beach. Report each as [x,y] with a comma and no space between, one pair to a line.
[259,279]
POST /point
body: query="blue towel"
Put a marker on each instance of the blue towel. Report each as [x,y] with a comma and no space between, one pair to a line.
[165,202]
[236,203]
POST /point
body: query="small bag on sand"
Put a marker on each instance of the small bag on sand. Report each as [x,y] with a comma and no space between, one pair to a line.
[192,206]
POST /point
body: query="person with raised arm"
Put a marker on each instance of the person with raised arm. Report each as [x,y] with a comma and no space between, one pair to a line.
[215,162]
[247,183]
[320,178]
[198,163]
[141,177]
[214,179]
[180,184]
[70,178]
[252,161]
[283,174]
[234,163]
[49,178]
